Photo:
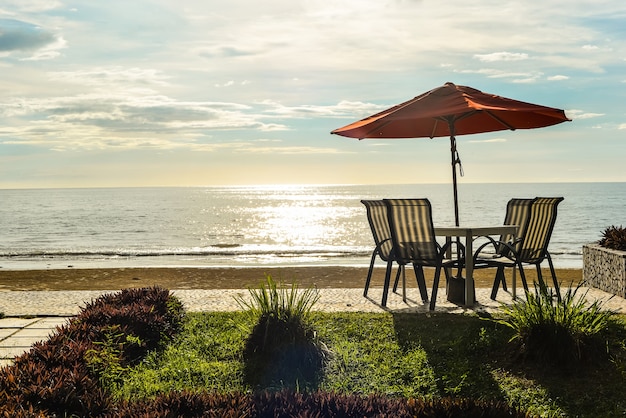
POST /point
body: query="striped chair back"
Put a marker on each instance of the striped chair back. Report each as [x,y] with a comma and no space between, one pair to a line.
[412,230]
[379,224]
[535,240]
[517,213]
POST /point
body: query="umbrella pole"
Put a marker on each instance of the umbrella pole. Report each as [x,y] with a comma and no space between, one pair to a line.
[454,187]
[455,161]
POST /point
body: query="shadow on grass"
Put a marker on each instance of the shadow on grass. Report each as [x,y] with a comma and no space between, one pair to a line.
[280,353]
[457,347]
[593,387]
[472,357]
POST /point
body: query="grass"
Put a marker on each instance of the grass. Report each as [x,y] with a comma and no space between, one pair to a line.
[411,355]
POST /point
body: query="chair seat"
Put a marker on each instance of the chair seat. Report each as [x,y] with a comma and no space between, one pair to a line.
[492,258]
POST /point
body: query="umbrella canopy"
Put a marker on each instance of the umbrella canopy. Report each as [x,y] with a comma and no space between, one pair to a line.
[452,110]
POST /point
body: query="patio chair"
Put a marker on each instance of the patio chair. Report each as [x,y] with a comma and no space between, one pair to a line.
[413,239]
[517,213]
[379,224]
[536,219]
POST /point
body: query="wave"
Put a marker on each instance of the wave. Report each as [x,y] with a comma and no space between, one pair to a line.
[217,250]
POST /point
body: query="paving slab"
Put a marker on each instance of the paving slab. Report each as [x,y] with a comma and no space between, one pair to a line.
[12,322]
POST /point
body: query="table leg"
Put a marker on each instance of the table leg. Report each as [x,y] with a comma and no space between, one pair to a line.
[514,280]
[470,298]
[404,284]
[449,254]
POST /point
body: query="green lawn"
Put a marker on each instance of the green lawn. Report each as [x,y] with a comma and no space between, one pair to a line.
[411,355]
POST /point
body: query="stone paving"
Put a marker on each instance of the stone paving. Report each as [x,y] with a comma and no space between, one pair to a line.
[33,315]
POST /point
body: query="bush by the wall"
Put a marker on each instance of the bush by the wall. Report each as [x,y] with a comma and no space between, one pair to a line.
[614,238]
[562,333]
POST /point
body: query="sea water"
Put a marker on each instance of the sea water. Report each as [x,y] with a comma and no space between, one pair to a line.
[263,225]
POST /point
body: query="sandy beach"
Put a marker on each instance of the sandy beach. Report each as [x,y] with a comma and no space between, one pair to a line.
[222,278]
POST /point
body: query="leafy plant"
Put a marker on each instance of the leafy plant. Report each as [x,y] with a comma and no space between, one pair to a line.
[274,300]
[564,332]
[282,348]
[614,238]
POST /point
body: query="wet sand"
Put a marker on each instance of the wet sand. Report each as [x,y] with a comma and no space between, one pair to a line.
[323,277]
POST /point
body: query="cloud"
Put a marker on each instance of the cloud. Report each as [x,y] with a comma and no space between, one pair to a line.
[515,76]
[106,77]
[501,56]
[34,6]
[558,78]
[223,51]
[16,35]
[290,150]
[581,114]
[127,117]
[343,109]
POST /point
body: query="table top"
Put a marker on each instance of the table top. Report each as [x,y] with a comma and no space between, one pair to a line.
[475,230]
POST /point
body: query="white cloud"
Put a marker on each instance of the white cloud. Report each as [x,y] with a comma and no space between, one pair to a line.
[502,56]
[343,109]
[48,52]
[581,114]
[111,76]
[514,76]
[558,78]
[30,6]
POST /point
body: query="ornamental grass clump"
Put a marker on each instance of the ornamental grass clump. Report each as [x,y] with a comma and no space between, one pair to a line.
[282,349]
[614,238]
[562,333]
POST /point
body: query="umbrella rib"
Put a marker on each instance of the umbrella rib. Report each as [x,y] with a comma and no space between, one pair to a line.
[432,133]
[499,120]
[376,128]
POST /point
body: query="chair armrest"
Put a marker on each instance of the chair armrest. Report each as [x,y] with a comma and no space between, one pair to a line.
[460,249]
[485,257]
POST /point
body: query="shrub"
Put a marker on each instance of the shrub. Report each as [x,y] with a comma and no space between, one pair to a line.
[64,375]
[317,404]
[562,333]
[282,347]
[614,238]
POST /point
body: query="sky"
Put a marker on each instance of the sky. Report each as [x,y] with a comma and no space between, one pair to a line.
[228,92]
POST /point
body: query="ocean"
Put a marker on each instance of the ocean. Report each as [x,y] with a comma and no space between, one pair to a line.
[262,225]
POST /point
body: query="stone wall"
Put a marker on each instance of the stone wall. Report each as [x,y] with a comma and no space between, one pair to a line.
[605,269]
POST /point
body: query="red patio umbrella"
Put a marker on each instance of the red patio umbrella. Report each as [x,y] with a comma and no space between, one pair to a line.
[452,110]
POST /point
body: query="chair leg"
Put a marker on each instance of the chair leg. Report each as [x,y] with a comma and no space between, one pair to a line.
[539,275]
[404,285]
[554,280]
[522,276]
[433,296]
[369,274]
[421,282]
[387,282]
[397,280]
[496,283]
